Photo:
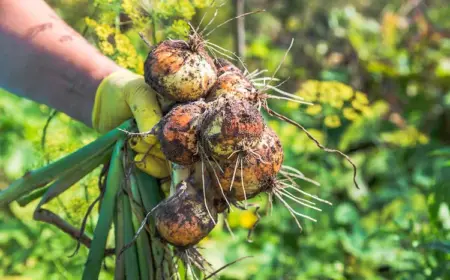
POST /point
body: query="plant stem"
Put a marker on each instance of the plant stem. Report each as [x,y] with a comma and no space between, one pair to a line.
[131,257]
[119,234]
[26,199]
[151,196]
[68,179]
[42,176]
[146,264]
[107,210]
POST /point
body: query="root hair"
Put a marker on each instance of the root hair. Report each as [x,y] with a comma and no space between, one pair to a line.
[231,19]
[310,136]
[204,192]
[203,155]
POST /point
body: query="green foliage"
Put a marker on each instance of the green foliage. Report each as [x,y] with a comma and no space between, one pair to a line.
[378,75]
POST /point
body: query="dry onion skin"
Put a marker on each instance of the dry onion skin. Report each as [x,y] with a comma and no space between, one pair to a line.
[183,219]
[252,171]
[230,125]
[231,82]
[179,71]
[178,133]
[224,65]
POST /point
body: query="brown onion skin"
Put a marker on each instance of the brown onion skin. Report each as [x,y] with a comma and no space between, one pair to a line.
[183,220]
[180,72]
[223,65]
[230,124]
[231,82]
[258,172]
[178,133]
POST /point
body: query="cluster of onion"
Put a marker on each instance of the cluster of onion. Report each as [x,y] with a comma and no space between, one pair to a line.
[214,129]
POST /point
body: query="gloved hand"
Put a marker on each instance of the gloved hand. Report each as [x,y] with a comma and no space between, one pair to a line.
[123,95]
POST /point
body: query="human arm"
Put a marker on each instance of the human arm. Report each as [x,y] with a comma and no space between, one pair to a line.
[45,60]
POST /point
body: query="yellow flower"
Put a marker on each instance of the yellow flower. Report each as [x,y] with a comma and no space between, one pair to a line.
[367,111]
[128,6]
[311,85]
[407,137]
[423,139]
[314,109]
[180,28]
[123,44]
[292,105]
[336,102]
[358,105]
[293,23]
[346,92]
[132,61]
[247,219]
[361,98]
[140,66]
[350,114]
[90,22]
[185,8]
[307,95]
[106,48]
[325,96]
[132,9]
[202,3]
[103,31]
[324,86]
[108,16]
[332,121]
[337,90]
[121,61]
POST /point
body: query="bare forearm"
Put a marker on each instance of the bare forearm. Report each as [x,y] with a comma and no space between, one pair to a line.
[43,59]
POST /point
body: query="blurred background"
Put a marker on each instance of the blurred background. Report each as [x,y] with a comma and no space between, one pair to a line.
[378,73]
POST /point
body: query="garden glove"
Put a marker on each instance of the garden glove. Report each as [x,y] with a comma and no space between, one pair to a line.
[123,95]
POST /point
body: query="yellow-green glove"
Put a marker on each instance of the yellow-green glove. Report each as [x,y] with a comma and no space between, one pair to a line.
[123,95]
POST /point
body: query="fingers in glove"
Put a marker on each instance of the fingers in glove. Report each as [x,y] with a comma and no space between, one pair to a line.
[143,103]
[153,166]
[142,147]
[139,145]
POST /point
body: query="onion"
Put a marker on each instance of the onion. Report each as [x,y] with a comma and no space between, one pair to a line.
[253,171]
[183,219]
[224,65]
[230,125]
[231,82]
[179,70]
[178,133]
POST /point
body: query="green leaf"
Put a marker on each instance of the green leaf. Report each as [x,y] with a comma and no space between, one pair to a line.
[438,245]
[70,178]
[113,183]
[144,250]
[149,190]
[24,200]
[151,195]
[146,265]
[346,214]
[119,235]
[131,258]
[42,176]
[441,152]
